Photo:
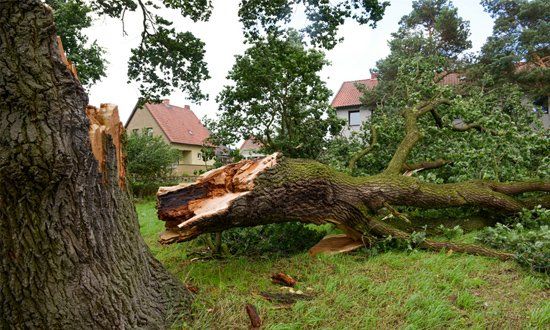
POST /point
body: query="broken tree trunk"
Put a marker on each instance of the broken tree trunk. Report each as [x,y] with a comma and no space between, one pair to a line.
[277,189]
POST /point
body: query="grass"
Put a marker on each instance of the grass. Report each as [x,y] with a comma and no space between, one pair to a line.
[392,290]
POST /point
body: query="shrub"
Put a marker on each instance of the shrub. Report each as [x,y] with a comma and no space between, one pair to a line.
[285,238]
[149,157]
[527,236]
[451,233]
[145,188]
[149,162]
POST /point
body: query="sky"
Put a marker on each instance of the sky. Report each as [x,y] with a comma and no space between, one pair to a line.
[350,60]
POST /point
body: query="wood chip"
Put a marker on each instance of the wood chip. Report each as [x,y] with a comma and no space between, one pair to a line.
[283,279]
[255,321]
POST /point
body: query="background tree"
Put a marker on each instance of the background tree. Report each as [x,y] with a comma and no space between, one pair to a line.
[277,97]
[149,157]
[71,18]
[432,28]
[519,49]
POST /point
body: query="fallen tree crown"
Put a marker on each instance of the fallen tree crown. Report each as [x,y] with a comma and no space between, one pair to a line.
[277,189]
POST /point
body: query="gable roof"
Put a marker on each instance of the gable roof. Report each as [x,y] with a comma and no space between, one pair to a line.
[180,125]
[348,94]
[250,144]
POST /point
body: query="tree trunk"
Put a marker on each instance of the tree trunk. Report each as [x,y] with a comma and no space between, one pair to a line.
[71,255]
[278,189]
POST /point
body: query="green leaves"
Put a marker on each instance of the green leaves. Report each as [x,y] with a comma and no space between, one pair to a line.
[149,157]
[278,98]
[527,235]
[269,17]
[71,18]
[168,60]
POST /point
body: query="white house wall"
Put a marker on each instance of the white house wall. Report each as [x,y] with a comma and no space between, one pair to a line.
[364,114]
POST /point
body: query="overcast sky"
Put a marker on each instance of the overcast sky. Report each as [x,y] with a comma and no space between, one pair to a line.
[350,60]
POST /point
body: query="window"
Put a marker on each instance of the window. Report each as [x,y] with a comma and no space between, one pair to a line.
[199,155]
[149,131]
[135,131]
[354,118]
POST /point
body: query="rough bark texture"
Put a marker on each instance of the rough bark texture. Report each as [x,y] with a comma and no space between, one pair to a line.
[307,191]
[71,256]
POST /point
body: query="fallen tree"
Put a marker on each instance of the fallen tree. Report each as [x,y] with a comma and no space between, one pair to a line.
[278,189]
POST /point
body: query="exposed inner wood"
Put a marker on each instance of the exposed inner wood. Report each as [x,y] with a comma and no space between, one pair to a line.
[333,244]
[211,195]
[70,66]
[104,124]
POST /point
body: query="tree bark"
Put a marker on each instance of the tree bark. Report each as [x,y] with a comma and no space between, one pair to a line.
[278,189]
[71,255]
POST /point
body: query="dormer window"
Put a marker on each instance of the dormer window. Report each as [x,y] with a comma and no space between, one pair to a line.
[354,118]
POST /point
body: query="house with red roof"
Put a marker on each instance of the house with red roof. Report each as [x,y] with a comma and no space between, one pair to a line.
[178,126]
[250,149]
[348,105]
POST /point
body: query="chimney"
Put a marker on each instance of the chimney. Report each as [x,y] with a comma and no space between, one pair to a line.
[374,75]
[187,107]
[166,101]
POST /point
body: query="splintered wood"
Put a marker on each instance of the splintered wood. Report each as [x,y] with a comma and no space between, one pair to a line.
[283,279]
[334,244]
[255,321]
[104,123]
[70,66]
[182,207]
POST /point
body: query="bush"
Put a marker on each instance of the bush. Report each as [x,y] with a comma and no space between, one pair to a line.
[146,188]
[527,236]
[285,238]
[149,157]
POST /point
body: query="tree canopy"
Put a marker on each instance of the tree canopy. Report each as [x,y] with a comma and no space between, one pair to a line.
[471,131]
[71,18]
[167,59]
[278,98]
[519,48]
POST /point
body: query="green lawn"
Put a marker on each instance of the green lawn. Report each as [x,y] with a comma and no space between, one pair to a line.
[407,290]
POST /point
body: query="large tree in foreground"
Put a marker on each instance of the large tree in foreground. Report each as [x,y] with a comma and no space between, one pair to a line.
[70,249]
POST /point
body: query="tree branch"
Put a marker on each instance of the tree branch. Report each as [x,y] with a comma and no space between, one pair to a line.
[412,135]
[515,188]
[361,153]
[426,165]
[431,106]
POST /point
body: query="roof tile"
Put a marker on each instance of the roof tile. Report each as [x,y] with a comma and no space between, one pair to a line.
[180,125]
[349,95]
